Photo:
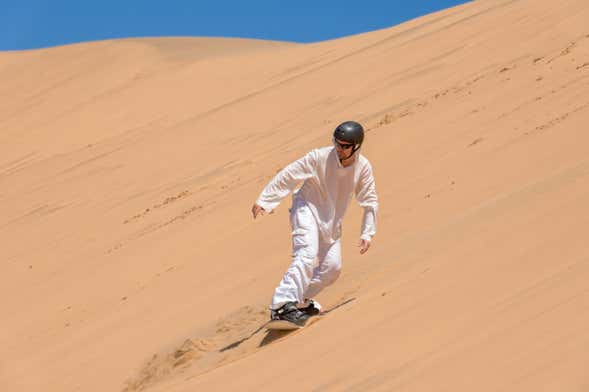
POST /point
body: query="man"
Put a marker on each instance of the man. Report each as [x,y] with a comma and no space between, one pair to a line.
[331,176]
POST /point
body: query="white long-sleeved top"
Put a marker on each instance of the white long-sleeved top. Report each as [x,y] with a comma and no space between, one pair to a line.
[327,189]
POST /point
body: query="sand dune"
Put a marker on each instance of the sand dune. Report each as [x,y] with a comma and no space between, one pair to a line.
[127,170]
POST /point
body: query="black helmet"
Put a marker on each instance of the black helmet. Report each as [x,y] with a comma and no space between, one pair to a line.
[351,132]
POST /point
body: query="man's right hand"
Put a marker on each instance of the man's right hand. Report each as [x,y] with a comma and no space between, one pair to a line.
[257,210]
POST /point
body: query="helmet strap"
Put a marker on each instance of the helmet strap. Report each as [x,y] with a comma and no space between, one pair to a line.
[354,149]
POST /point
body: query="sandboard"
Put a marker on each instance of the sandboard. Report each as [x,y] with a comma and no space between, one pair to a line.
[283,325]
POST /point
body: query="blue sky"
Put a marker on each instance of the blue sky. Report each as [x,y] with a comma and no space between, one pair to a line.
[27,24]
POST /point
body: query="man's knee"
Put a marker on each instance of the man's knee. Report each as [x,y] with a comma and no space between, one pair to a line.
[332,272]
[304,248]
[304,258]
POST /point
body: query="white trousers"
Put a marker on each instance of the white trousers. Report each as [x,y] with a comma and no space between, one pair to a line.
[315,264]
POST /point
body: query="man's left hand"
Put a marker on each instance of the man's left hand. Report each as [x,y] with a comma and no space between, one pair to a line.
[364,245]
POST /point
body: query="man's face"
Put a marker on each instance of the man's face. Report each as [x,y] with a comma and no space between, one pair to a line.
[343,149]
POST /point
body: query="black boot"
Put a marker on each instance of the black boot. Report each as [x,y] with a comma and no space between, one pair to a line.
[289,312]
[311,309]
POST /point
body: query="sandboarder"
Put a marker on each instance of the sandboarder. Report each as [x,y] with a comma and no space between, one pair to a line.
[331,176]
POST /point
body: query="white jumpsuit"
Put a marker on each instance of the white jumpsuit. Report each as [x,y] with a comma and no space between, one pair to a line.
[318,208]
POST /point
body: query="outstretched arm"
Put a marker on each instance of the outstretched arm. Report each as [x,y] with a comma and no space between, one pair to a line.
[366,197]
[284,182]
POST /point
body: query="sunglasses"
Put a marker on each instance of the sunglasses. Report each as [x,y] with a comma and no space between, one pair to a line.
[342,145]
